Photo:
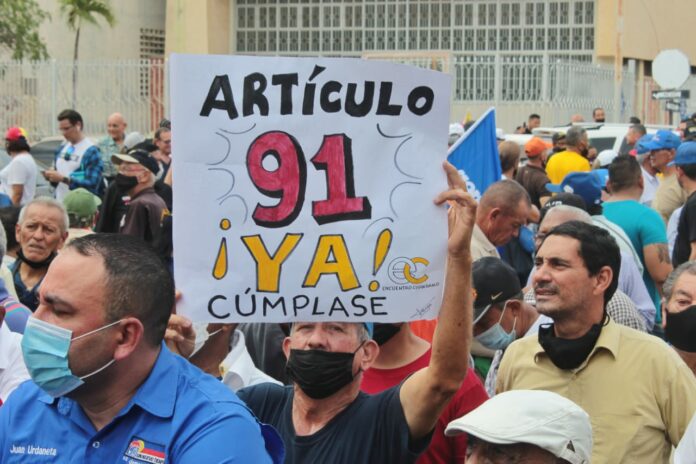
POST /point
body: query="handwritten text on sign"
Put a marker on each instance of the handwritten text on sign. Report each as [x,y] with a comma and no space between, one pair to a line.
[304,188]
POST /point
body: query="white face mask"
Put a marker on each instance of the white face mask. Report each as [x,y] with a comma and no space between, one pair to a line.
[202,335]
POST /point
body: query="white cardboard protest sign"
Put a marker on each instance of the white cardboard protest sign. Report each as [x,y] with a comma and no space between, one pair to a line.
[304,187]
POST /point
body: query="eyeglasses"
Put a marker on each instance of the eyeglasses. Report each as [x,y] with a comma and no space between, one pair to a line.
[66,129]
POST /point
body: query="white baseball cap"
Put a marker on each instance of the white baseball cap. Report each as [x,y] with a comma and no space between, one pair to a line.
[537,417]
[605,157]
[456,129]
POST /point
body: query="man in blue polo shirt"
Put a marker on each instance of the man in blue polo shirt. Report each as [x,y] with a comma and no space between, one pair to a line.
[105,388]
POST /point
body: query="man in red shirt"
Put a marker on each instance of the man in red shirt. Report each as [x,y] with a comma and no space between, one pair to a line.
[402,353]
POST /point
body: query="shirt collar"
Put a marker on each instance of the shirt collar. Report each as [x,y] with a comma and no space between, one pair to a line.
[479,236]
[238,362]
[6,341]
[156,395]
[145,190]
[608,340]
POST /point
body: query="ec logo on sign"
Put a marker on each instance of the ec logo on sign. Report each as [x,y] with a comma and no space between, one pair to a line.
[408,271]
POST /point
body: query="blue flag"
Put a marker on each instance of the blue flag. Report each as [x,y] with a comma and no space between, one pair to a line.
[475,155]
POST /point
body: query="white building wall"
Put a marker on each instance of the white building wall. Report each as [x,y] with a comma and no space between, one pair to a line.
[123,41]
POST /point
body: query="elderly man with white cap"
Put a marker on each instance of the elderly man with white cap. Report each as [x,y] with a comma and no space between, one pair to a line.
[526,426]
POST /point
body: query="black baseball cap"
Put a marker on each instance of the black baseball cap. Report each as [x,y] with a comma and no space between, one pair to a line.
[563,198]
[495,281]
[137,156]
[557,137]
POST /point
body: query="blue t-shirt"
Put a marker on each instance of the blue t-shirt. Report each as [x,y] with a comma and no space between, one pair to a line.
[644,226]
[372,429]
[178,415]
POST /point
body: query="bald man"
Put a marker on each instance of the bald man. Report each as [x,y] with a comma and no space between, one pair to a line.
[112,143]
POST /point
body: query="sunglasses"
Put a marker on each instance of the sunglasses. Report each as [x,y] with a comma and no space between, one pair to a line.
[67,155]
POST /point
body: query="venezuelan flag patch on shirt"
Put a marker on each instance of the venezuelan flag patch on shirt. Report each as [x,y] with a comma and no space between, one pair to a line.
[140,451]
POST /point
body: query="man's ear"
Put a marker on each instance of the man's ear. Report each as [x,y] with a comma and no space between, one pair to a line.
[604,278]
[515,307]
[371,351]
[286,347]
[131,332]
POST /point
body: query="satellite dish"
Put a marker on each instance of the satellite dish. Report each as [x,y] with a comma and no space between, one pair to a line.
[671,69]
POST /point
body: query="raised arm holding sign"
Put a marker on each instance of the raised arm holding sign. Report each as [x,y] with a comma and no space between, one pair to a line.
[323,417]
[304,194]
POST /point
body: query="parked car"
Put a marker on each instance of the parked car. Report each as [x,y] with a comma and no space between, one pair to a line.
[601,136]
[44,150]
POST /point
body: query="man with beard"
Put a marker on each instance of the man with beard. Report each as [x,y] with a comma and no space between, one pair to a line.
[598,114]
[639,394]
[573,159]
[532,176]
[324,417]
[41,231]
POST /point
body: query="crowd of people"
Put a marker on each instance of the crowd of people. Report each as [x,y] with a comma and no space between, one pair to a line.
[567,332]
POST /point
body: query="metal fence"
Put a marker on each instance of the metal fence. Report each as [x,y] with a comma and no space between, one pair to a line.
[556,87]
[33,93]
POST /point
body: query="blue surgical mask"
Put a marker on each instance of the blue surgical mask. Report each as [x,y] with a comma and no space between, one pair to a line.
[45,348]
[495,338]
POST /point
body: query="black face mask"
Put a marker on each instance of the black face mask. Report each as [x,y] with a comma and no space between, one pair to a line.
[681,329]
[125,183]
[319,373]
[384,332]
[568,353]
[35,264]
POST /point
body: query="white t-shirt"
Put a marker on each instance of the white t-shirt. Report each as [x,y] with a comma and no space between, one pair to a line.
[672,226]
[67,166]
[21,170]
[650,184]
[686,451]
[238,370]
[12,369]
